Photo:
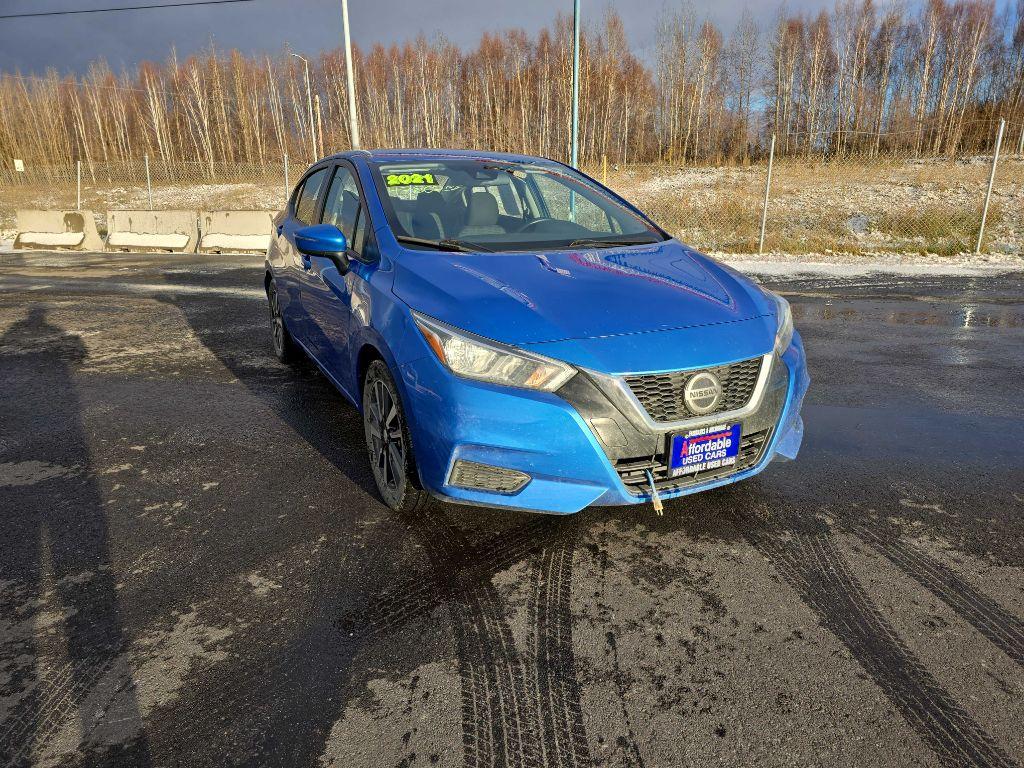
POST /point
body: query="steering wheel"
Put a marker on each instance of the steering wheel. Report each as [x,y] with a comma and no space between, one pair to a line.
[530,225]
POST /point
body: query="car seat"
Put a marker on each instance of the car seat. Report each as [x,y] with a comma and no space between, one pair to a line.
[427,220]
[482,216]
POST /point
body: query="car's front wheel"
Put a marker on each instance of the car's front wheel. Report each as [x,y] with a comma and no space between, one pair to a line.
[388,442]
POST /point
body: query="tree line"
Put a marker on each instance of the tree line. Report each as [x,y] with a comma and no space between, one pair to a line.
[860,79]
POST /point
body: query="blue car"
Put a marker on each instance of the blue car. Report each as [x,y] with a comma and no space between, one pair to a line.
[515,335]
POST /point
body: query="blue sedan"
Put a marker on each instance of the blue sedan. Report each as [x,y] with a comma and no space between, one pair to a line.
[515,335]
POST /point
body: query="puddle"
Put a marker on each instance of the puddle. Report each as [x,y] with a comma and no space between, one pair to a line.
[966,316]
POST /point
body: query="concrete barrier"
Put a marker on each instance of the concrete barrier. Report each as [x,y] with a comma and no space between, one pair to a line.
[57,231]
[153,231]
[235,231]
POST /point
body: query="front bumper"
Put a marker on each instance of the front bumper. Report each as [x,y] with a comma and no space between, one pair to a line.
[563,440]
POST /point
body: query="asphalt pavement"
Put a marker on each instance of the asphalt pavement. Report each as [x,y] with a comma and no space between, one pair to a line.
[195,568]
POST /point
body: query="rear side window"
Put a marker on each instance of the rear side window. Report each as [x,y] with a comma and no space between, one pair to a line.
[305,202]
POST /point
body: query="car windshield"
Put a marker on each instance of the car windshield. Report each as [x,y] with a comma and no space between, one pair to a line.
[498,205]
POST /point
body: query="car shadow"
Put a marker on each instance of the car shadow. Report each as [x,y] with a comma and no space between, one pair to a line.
[237,332]
[66,630]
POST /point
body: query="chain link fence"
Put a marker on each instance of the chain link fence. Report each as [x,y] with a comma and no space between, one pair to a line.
[895,202]
[887,203]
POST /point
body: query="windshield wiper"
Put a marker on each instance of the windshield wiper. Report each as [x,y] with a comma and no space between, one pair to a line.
[447,244]
[588,243]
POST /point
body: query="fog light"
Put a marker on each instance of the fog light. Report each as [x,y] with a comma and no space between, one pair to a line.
[484,477]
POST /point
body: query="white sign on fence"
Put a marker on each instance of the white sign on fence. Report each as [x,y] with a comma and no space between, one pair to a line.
[19,165]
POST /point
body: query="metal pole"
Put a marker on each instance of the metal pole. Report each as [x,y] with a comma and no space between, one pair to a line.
[991,181]
[79,204]
[319,126]
[575,123]
[309,107]
[767,190]
[149,183]
[353,121]
[574,152]
[287,186]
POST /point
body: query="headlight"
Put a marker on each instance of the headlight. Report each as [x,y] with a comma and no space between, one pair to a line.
[784,330]
[477,358]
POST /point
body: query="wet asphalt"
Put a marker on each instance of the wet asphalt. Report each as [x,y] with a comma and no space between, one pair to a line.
[195,568]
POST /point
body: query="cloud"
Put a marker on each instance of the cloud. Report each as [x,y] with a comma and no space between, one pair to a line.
[69,43]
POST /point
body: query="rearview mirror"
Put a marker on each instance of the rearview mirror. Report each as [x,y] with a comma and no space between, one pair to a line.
[324,240]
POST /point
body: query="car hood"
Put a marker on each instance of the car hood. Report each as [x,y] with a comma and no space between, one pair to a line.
[531,298]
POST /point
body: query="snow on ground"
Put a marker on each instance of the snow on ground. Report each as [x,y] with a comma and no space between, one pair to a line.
[852,269]
[853,265]
[195,196]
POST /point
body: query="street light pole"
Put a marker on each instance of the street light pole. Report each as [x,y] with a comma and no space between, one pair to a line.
[309,106]
[353,121]
[574,154]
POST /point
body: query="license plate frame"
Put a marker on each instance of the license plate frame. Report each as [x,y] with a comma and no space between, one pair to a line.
[704,449]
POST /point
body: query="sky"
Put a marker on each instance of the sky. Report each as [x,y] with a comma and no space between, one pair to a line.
[69,43]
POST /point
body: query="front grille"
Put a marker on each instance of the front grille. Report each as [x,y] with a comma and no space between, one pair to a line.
[661,394]
[483,477]
[634,471]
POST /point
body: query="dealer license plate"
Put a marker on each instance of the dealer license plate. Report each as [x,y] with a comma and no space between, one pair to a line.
[704,449]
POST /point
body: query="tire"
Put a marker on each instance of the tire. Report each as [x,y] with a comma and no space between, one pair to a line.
[284,348]
[388,444]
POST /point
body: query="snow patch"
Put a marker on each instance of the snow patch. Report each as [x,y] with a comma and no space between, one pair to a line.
[784,265]
[31,472]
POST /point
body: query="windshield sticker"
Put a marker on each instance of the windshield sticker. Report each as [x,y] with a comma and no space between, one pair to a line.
[410,179]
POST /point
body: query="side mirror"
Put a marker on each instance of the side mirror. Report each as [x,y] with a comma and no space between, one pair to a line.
[324,240]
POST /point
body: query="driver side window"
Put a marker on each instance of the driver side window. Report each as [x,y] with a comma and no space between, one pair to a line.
[343,208]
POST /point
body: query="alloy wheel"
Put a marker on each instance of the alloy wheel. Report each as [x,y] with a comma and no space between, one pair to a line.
[386,439]
[277,322]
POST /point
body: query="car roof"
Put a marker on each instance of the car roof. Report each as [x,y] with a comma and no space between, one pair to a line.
[399,155]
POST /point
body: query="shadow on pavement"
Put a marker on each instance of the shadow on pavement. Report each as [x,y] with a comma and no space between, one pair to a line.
[234,331]
[54,549]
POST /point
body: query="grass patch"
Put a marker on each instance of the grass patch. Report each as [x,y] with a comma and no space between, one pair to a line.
[726,224]
[936,228]
[732,223]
